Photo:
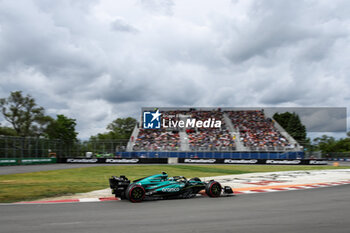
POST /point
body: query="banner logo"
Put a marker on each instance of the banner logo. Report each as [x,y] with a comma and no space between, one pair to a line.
[151,120]
[154,120]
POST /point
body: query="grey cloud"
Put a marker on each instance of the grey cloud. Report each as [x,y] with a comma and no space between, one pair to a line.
[52,49]
[122,94]
[121,25]
[164,7]
[96,61]
[277,25]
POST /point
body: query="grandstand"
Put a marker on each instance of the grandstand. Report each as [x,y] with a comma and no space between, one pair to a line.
[241,134]
[241,130]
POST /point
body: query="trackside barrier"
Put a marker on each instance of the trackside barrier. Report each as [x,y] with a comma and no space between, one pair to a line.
[113,160]
[256,161]
[193,161]
[340,159]
[37,160]
[26,161]
[8,162]
[214,155]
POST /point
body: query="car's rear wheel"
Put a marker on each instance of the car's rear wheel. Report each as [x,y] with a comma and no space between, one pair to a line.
[213,189]
[135,193]
[121,196]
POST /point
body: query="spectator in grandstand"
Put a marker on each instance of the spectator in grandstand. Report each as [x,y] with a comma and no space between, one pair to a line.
[257,132]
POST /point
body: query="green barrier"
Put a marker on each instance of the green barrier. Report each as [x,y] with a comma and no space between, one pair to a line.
[26,161]
[37,160]
[8,162]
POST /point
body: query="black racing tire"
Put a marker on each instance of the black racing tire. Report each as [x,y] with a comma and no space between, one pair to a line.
[127,191]
[213,189]
[195,179]
[122,196]
[135,193]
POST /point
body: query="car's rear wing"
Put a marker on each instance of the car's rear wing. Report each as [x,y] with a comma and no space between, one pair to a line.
[119,185]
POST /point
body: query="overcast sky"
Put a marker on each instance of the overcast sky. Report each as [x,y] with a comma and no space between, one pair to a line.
[98,60]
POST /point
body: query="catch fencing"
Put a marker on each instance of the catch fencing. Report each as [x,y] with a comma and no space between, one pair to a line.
[35,147]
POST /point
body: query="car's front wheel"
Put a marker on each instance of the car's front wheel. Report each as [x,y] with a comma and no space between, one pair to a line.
[213,189]
[135,193]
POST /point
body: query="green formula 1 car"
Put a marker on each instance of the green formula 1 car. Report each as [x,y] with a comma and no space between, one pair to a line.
[161,186]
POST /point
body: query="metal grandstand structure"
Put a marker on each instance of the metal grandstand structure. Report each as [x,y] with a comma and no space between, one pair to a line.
[234,132]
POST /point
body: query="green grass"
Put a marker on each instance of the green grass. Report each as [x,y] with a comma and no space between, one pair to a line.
[36,185]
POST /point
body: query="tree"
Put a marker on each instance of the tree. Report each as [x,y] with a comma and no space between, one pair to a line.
[342,145]
[121,128]
[116,138]
[325,143]
[329,144]
[62,128]
[292,124]
[7,131]
[23,114]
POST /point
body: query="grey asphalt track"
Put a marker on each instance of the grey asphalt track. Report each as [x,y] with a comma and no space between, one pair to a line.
[321,210]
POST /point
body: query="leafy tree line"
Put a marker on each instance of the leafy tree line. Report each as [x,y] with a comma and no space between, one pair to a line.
[27,119]
[328,144]
[116,137]
[120,128]
[293,125]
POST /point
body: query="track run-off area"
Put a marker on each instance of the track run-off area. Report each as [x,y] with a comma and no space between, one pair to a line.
[248,183]
[288,201]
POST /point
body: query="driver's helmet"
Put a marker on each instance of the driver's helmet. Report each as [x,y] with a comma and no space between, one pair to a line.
[164,176]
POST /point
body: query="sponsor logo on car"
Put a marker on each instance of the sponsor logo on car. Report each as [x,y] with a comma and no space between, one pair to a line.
[170,189]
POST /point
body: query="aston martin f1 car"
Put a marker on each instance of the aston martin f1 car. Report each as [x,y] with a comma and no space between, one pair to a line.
[161,186]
